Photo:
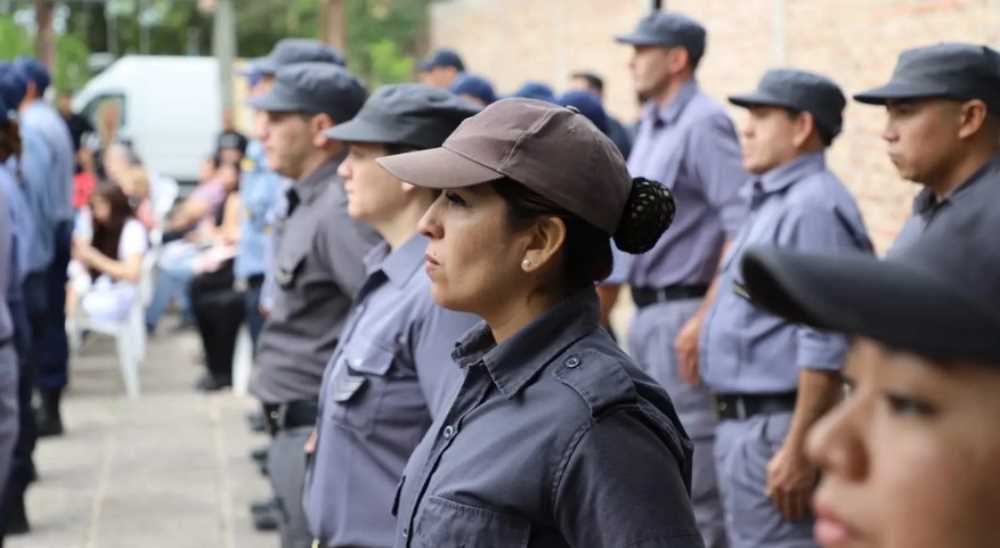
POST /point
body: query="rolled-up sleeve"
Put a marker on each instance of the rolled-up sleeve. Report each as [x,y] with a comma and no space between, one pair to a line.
[620,486]
[820,228]
[714,156]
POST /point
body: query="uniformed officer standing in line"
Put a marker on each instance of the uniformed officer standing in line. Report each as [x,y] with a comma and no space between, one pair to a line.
[50,341]
[943,128]
[687,141]
[10,286]
[391,371]
[773,379]
[33,165]
[555,438]
[909,457]
[319,252]
[441,68]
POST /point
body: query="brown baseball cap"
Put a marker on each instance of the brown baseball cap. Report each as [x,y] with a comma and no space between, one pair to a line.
[553,150]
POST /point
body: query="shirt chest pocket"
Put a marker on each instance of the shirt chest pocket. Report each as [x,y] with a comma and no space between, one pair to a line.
[358,386]
[443,523]
[290,265]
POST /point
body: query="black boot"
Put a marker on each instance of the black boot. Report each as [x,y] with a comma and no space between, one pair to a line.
[49,421]
[15,520]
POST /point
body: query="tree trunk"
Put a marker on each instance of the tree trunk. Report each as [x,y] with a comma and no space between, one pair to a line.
[43,36]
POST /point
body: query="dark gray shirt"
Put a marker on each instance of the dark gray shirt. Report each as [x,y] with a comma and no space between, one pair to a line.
[983,187]
[319,267]
[554,439]
[381,389]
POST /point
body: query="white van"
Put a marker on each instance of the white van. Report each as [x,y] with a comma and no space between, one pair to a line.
[169,108]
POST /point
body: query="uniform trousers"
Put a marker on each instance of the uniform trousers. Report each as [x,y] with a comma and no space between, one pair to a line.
[51,346]
[9,416]
[286,464]
[651,344]
[22,467]
[743,449]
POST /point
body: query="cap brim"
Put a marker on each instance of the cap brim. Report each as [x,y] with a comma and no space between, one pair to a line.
[757,99]
[438,168]
[899,304]
[638,39]
[357,130]
[275,101]
[898,91]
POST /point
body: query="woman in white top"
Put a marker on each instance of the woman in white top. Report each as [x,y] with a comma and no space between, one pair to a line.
[107,256]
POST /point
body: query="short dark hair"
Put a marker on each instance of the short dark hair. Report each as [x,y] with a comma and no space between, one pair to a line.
[587,250]
[824,135]
[594,81]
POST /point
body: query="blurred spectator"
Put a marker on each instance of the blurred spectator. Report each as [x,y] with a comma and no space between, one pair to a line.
[442,68]
[231,146]
[108,248]
[588,105]
[475,89]
[592,83]
[536,90]
[78,125]
[135,184]
[84,180]
[188,229]
[108,124]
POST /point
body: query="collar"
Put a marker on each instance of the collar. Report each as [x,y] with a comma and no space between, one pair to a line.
[927,200]
[514,362]
[671,111]
[399,265]
[783,176]
[312,185]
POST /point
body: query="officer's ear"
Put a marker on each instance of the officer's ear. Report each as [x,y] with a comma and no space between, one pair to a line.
[546,238]
[678,59]
[972,117]
[317,125]
[804,130]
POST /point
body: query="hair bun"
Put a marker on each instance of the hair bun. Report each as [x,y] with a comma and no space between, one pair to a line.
[648,213]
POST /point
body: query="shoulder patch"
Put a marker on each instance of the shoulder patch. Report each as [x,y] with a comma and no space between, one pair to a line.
[599,379]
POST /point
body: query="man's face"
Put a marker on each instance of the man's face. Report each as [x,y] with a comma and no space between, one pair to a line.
[652,68]
[439,77]
[288,142]
[923,138]
[767,138]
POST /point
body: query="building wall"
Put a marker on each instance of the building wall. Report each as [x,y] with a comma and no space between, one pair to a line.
[855,42]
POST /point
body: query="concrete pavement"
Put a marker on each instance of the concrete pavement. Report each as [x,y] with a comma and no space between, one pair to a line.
[170,469]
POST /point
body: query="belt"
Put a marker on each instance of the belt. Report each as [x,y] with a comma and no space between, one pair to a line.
[743,406]
[296,414]
[645,296]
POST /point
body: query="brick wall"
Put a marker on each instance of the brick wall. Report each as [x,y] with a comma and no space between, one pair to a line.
[855,42]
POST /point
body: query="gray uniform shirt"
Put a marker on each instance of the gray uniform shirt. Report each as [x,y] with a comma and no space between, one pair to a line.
[390,373]
[983,187]
[40,117]
[319,267]
[745,349]
[554,439]
[690,146]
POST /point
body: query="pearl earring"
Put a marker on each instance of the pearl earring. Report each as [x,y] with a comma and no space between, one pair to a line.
[526,264]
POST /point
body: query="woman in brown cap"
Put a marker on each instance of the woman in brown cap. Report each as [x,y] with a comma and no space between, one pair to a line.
[554,438]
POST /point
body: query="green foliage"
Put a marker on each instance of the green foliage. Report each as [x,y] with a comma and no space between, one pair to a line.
[14,40]
[383,38]
[71,69]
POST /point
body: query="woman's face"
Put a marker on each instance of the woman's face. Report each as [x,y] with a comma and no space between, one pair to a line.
[910,457]
[474,256]
[101,209]
[229,176]
[373,194]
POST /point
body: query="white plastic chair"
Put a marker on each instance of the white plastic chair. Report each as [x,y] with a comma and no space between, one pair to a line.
[163,193]
[242,361]
[129,335]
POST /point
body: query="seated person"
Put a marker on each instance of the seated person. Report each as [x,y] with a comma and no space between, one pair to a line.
[107,257]
[135,184]
[189,229]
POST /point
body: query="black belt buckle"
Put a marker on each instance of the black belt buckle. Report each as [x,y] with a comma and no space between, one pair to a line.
[274,417]
[731,408]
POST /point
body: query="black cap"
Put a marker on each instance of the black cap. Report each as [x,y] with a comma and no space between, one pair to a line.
[476,86]
[939,298]
[34,71]
[414,115]
[314,88]
[535,90]
[952,71]
[296,50]
[668,29]
[443,57]
[801,91]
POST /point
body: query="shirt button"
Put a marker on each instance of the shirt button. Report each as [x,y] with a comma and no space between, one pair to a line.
[572,362]
[449,432]
[406,533]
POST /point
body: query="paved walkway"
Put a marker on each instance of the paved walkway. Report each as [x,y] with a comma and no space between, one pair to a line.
[170,469]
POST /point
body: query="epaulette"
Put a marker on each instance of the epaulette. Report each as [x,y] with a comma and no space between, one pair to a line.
[599,379]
